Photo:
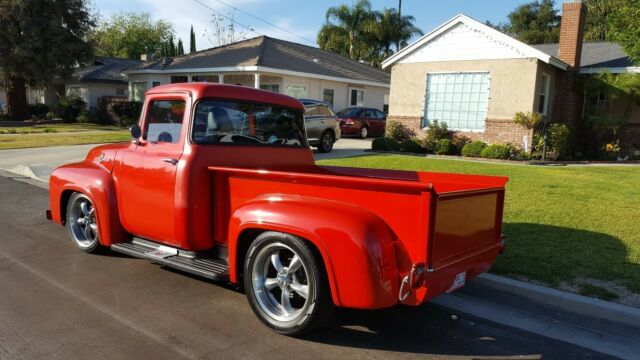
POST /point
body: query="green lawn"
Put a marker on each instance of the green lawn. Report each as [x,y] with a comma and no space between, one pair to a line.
[560,222]
[60,134]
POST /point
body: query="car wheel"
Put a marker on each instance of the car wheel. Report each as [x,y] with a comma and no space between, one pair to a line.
[326,142]
[82,223]
[364,132]
[285,284]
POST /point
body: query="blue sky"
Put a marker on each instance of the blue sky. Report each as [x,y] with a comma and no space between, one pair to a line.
[301,19]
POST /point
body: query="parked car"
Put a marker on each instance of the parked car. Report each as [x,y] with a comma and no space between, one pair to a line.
[203,189]
[323,129]
[362,121]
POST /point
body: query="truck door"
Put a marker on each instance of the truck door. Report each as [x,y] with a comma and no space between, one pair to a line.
[147,179]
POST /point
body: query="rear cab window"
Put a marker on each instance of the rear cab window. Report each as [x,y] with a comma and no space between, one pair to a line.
[234,122]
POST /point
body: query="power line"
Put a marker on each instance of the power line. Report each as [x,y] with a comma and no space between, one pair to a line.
[249,28]
[267,22]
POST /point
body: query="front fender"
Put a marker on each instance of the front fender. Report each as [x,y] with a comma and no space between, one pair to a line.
[357,246]
[97,184]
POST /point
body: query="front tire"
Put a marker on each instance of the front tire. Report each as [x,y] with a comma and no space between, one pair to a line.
[285,284]
[82,223]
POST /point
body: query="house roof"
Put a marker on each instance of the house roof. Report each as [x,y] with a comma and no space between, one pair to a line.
[267,54]
[596,56]
[499,37]
[104,69]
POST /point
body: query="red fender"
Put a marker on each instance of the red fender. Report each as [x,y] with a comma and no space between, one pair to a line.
[97,184]
[356,245]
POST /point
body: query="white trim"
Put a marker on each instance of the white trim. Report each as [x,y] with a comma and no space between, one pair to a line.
[545,108]
[261,69]
[613,70]
[526,50]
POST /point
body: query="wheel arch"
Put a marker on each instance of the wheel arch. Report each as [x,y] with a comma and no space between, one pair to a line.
[357,250]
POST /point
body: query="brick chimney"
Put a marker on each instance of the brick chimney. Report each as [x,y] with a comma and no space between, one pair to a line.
[574,14]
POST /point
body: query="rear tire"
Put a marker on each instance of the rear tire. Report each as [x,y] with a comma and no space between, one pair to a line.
[82,223]
[326,142]
[285,284]
[363,133]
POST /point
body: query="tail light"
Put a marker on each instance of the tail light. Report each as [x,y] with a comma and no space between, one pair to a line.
[350,121]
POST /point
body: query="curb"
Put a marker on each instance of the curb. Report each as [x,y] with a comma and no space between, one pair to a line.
[566,301]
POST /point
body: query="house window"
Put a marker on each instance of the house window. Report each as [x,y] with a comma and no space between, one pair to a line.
[79,92]
[155,83]
[356,97]
[327,96]
[271,87]
[296,91]
[458,99]
[179,79]
[599,103]
[137,90]
[205,78]
[543,94]
[120,91]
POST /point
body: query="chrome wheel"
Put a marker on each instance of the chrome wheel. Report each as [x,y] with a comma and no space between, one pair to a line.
[81,221]
[280,282]
[326,142]
[364,132]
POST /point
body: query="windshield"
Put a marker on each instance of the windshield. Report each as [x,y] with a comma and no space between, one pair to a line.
[221,121]
[349,112]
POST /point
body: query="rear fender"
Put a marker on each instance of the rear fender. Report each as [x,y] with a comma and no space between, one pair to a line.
[98,185]
[357,246]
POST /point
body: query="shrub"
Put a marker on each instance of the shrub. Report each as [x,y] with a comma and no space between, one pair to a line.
[529,120]
[444,147]
[5,117]
[412,146]
[473,149]
[50,115]
[69,108]
[559,139]
[385,144]
[496,151]
[435,132]
[457,143]
[38,111]
[398,131]
[128,112]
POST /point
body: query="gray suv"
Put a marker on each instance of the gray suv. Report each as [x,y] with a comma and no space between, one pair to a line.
[323,127]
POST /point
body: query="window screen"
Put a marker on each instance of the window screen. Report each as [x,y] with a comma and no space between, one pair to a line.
[458,99]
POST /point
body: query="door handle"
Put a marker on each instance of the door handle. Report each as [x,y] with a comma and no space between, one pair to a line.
[171,161]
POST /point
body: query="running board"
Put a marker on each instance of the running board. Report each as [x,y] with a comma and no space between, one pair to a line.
[205,266]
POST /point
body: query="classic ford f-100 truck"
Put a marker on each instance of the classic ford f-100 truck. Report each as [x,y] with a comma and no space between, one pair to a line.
[219,181]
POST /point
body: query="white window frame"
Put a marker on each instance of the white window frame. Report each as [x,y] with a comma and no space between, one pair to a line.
[272,84]
[297,85]
[364,93]
[545,106]
[333,96]
[132,92]
[426,84]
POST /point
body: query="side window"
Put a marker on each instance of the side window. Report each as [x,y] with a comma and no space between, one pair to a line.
[379,114]
[324,110]
[367,114]
[311,110]
[164,121]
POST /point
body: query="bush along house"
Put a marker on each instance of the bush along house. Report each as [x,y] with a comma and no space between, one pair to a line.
[475,79]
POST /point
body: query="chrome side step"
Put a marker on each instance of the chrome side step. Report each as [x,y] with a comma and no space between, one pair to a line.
[205,266]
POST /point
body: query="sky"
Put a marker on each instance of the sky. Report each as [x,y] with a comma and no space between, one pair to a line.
[297,21]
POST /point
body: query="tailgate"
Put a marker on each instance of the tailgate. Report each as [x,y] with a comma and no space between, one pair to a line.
[465,224]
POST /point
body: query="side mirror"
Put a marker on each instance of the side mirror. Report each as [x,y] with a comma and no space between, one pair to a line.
[135,130]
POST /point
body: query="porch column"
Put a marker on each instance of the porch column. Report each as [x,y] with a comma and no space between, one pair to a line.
[256,82]
[220,78]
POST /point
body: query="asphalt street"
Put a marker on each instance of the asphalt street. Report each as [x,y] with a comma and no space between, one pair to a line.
[60,303]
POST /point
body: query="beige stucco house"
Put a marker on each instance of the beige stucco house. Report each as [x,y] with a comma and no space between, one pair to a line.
[475,78]
[271,64]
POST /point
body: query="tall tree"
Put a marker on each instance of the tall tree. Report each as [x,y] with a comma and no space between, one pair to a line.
[392,28]
[180,49]
[40,39]
[536,22]
[171,46]
[624,27]
[597,24]
[192,41]
[347,26]
[131,34]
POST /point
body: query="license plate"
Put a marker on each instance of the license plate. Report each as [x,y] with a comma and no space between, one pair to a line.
[458,282]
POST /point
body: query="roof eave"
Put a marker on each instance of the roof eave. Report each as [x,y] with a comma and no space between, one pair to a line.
[612,70]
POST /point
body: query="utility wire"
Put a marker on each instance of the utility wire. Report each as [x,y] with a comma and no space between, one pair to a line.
[249,28]
[267,22]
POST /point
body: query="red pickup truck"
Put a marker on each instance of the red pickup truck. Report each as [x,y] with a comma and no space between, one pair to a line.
[219,181]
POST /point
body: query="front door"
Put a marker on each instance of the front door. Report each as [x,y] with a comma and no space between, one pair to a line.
[147,180]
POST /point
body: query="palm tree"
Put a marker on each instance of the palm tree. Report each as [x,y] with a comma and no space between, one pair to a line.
[346,28]
[394,29]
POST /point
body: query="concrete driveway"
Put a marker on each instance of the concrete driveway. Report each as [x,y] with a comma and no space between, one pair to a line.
[38,163]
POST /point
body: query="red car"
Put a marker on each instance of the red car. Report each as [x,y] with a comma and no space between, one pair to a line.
[219,181]
[362,122]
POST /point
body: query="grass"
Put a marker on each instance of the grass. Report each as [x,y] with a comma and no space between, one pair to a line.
[60,134]
[597,292]
[560,222]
